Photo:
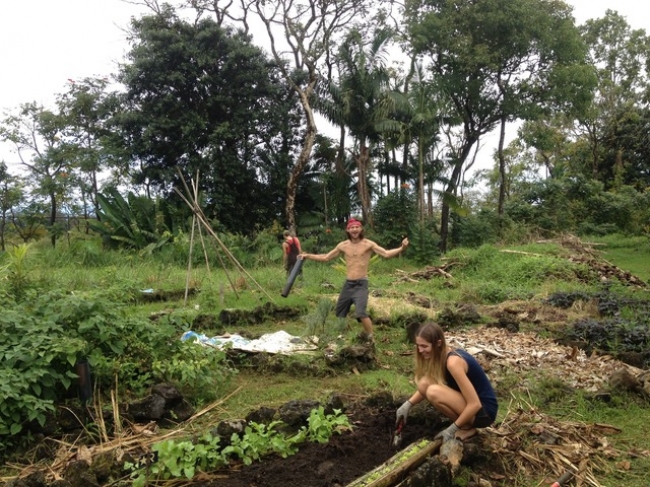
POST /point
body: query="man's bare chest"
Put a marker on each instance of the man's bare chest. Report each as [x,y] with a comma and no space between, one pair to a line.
[356,250]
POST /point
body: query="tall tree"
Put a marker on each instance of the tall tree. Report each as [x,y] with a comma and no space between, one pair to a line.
[86,111]
[416,119]
[358,100]
[540,63]
[202,98]
[622,58]
[308,29]
[11,194]
[37,135]
[626,150]
[553,141]
[329,183]
[476,58]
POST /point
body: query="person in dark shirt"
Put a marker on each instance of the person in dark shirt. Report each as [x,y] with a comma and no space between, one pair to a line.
[291,249]
[453,382]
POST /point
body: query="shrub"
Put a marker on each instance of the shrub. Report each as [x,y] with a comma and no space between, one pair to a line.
[474,230]
[47,334]
[395,217]
[198,372]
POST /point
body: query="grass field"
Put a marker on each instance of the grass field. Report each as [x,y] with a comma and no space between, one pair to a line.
[485,277]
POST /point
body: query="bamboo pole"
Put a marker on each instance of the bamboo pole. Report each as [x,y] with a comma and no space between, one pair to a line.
[189,262]
[203,220]
[396,467]
[193,206]
[195,185]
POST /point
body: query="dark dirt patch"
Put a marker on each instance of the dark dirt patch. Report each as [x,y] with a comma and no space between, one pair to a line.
[345,458]
[164,296]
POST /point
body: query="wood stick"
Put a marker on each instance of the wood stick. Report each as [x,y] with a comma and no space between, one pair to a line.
[232,257]
[195,186]
[202,218]
[521,252]
[396,467]
[189,262]
[194,211]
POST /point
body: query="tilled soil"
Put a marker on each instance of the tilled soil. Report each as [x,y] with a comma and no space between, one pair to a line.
[345,458]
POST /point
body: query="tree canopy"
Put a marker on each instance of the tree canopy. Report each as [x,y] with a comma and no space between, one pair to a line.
[203,99]
[199,98]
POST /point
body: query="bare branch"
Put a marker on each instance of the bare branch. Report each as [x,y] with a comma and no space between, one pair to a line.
[150,4]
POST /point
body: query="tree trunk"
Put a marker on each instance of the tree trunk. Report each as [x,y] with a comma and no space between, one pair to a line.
[3,224]
[93,197]
[363,159]
[393,161]
[340,155]
[405,163]
[53,218]
[303,158]
[387,163]
[502,168]
[421,180]
[451,189]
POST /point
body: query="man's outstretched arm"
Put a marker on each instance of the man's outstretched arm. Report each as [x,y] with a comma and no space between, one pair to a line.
[335,252]
[392,252]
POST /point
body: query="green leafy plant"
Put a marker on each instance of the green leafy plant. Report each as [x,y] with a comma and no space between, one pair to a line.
[48,333]
[176,459]
[317,320]
[260,440]
[17,272]
[322,426]
[136,222]
[199,372]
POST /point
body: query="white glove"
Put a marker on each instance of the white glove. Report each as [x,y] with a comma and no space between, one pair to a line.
[448,433]
[403,411]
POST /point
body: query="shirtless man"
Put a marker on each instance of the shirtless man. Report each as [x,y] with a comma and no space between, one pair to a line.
[357,251]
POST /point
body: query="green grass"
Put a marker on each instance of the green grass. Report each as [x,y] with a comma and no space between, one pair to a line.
[631,254]
[480,276]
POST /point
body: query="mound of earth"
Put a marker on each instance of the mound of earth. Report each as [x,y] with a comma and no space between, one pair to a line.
[345,458]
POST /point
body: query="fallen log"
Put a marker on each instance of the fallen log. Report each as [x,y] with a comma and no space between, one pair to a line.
[396,467]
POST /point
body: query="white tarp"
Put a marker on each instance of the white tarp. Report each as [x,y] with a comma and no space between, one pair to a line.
[278,342]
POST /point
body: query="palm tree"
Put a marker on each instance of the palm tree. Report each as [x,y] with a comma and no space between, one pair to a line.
[416,120]
[359,100]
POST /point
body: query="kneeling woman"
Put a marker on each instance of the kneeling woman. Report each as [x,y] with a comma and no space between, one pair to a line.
[453,382]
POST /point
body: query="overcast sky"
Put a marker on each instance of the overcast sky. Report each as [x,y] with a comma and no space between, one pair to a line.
[44,43]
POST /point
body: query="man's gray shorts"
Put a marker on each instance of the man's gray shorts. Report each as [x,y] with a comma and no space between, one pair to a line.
[353,292]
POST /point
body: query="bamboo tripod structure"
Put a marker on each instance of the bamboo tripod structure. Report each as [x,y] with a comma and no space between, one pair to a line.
[191,199]
[205,254]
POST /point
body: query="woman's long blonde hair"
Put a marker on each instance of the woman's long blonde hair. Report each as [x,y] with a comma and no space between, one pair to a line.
[435,367]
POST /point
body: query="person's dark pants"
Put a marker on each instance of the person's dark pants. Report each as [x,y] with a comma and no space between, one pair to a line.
[353,292]
[482,419]
[289,267]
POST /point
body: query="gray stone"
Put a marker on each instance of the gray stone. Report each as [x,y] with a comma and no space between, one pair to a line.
[151,408]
